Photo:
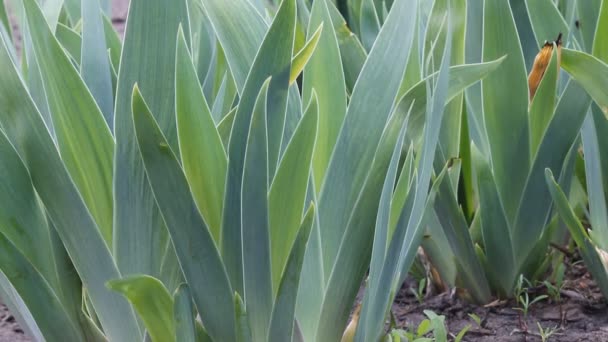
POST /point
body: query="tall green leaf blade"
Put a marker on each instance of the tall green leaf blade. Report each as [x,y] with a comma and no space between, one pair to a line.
[505,104]
[367,322]
[70,40]
[198,255]
[27,131]
[273,60]
[283,312]
[243,332]
[598,213]
[461,77]
[138,227]
[152,302]
[352,52]
[369,23]
[355,250]
[457,233]
[546,21]
[524,29]
[22,217]
[361,132]
[535,202]
[257,273]
[288,191]
[85,142]
[590,72]
[579,234]
[202,153]
[408,234]
[113,43]
[588,12]
[240,29]
[95,64]
[495,230]
[328,81]
[183,310]
[37,294]
[600,43]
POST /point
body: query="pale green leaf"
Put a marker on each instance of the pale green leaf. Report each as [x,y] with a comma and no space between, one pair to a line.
[202,154]
[288,191]
[283,312]
[301,58]
[85,142]
[152,302]
[198,255]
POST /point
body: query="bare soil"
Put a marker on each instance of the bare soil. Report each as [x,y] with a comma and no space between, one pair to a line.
[582,314]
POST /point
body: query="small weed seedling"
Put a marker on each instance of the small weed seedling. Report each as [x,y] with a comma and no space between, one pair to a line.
[419,292]
[432,329]
[546,333]
[523,298]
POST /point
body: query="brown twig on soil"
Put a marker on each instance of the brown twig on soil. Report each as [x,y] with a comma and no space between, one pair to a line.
[564,250]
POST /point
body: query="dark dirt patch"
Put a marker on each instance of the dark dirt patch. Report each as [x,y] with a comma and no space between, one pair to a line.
[9,328]
[581,316]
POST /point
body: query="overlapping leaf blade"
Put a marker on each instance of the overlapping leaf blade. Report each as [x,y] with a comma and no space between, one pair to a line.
[198,255]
